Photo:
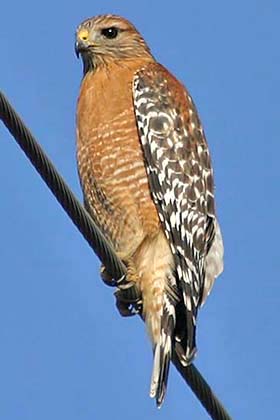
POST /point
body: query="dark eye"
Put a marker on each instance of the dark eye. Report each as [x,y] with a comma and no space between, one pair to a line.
[110,33]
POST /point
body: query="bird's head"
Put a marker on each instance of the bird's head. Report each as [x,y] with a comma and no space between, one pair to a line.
[103,39]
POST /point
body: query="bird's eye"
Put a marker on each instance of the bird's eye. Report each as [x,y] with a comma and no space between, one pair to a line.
[110,33]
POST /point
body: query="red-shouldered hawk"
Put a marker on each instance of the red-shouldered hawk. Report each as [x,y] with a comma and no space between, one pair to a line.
[147,180]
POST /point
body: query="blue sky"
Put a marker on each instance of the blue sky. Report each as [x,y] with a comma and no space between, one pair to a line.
[65,353]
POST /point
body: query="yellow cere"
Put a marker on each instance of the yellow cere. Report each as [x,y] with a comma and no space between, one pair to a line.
[83,34]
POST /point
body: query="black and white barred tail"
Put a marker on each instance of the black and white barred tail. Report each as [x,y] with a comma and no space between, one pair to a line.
[163,352]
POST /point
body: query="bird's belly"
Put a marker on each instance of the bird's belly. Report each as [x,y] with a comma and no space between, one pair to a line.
[115,183]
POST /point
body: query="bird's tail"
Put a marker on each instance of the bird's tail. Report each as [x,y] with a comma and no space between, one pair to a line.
[163,352]
[186,312]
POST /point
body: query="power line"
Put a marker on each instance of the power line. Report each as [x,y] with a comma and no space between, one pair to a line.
[103,249]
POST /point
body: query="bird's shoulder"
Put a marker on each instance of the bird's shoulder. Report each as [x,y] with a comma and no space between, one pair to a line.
[159,77]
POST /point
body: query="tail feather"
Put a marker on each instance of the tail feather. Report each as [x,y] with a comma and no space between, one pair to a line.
[156,371]
[163,352]
[186,312]
[185,335]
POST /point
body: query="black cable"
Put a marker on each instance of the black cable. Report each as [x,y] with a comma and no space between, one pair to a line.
[60,190]
[202,390]
[95,238]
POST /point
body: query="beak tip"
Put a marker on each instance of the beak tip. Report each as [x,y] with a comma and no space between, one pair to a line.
[77,49]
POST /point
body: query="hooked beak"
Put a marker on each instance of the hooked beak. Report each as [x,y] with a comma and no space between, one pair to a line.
[80,47]
[77,49]
[83,47]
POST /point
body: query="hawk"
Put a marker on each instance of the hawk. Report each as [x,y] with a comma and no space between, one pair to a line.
[147,180]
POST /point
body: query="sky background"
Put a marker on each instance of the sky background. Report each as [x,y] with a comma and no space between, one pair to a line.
[65,353]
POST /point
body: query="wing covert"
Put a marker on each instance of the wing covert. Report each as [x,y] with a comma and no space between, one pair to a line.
[180,176]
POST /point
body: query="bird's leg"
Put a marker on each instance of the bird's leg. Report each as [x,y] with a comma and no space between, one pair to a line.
[128,296]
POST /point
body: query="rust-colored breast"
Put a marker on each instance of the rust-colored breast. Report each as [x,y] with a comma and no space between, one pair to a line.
[110,158]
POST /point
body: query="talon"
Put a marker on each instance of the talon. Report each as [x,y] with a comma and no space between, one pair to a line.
[125,309]
[128,297]
[108,279]
[128,292]
[128,300]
